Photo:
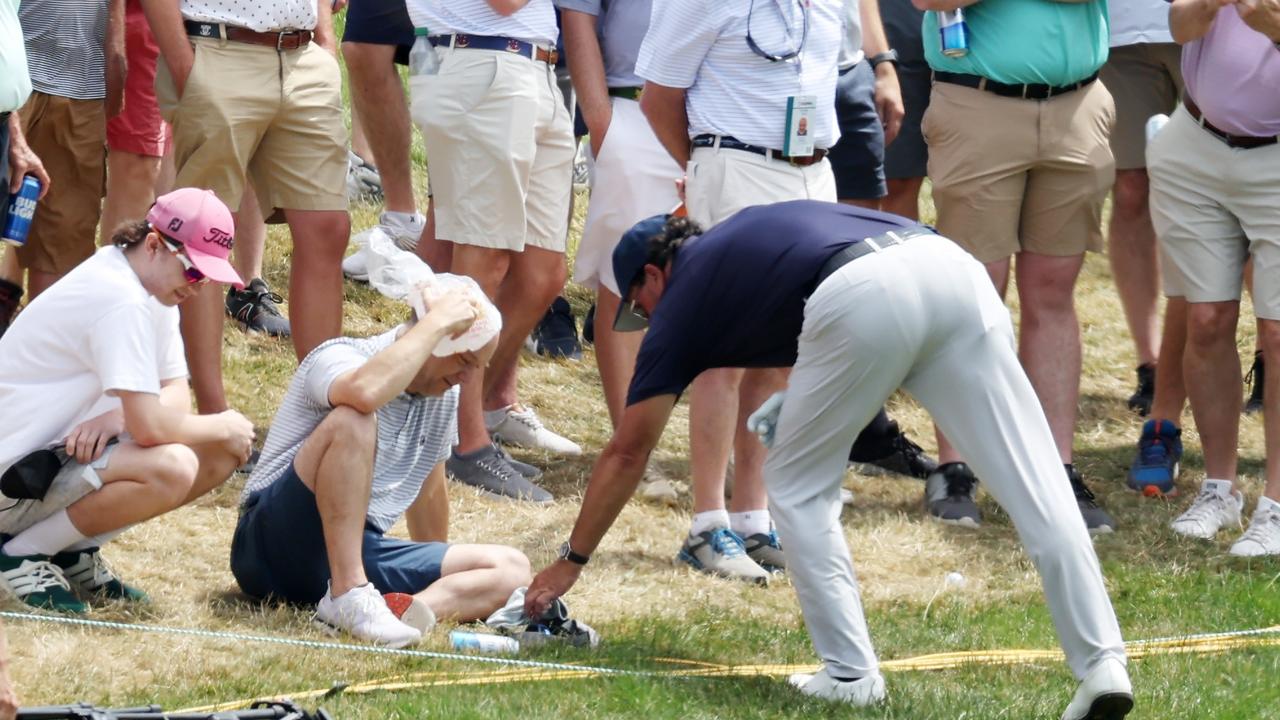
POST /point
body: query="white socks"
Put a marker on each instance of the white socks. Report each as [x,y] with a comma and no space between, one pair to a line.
[47,537]
[745,524]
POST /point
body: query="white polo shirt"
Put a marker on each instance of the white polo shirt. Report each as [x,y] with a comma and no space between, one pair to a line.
[1139,21]
[259,15]
[534,23]
[702,46]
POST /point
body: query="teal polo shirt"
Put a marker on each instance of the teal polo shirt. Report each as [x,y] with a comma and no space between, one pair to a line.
[1027,41]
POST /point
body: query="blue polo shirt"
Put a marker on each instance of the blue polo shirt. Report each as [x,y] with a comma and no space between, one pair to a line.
[1027,41]
[736,294]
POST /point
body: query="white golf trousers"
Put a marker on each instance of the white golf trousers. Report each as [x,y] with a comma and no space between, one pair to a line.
[923,316]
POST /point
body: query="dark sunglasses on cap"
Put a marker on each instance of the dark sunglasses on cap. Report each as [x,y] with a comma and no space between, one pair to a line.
[189,269]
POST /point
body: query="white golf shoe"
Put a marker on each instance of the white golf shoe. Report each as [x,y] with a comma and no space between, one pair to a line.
[1104,694]
[859,693]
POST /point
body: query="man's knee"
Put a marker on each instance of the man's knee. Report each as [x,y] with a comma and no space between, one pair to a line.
[349,428]
[321,232]
[1131,190]
[1048,289]
[1211,324]
[173,472]
[1269,339]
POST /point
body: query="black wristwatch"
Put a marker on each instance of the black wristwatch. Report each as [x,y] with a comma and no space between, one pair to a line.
[567,553]
[888,56]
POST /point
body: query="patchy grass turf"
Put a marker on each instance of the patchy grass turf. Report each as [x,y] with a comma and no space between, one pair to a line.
[660,617]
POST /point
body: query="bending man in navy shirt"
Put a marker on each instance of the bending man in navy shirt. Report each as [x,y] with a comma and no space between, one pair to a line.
[860,303]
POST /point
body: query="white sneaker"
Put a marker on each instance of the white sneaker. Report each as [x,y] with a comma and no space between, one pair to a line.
[1104,694]
[411,611]
[1263,535]
[1215,507]
[405,236]
[859,693]
[362,612]
[518,425]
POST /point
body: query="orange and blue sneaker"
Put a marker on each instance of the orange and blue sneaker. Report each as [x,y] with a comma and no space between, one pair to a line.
[1155,467]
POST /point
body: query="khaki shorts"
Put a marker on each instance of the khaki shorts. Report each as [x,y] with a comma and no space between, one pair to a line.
[1213,207]
[275,115]
[1145,80]
[1011,175]
[499,149]
[69,136]
[720,182]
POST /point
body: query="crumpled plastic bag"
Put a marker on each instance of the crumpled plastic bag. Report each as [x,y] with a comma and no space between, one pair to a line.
[555,625]
[764,421]
[402,275]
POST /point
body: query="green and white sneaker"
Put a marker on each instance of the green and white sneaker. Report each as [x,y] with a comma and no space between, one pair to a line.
[89,574]
[36,581]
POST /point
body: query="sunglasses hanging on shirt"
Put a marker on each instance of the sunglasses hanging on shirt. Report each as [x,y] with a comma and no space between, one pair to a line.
[790,54]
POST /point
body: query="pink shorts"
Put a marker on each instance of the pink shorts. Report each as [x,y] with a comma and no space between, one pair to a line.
[139,128]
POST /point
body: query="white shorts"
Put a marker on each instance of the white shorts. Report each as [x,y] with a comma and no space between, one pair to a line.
[634,178]
[722,181]
[73,482]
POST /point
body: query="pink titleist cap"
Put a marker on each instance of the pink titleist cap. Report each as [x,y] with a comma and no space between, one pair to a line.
[202,223]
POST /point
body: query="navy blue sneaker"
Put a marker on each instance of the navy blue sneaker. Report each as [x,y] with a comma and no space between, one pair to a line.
[556,335]
[1155,468]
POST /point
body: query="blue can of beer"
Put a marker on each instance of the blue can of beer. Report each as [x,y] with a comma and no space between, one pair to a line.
[22,207]
[954,32]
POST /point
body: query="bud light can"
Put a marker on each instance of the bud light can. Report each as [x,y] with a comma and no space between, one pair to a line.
[22,207]
[954,32]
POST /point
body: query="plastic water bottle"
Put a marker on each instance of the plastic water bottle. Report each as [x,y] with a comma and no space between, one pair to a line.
[1154,124]
[422,57]
[482,642]
[954,31]
[22,208]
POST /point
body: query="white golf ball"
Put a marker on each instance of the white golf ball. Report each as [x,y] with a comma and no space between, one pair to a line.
[955,579]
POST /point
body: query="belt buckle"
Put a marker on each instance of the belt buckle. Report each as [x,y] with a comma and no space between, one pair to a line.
[280,40]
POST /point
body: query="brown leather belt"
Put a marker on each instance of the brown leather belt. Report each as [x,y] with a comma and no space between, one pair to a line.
[282,40]
[1244,142]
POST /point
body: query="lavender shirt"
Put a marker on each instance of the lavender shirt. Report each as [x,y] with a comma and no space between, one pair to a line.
[1233,74]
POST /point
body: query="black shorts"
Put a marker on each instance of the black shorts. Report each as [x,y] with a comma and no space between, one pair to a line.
[380,22]
[908,155]
[858,158]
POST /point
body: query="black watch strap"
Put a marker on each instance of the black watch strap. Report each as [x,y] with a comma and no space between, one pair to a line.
[888,56]
[567,553]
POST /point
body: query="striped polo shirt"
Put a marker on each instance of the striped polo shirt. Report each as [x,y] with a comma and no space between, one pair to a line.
[701,45]
[415,433]
[64,40]
[533,23]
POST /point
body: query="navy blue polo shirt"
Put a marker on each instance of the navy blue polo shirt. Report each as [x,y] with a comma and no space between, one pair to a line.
[736,294]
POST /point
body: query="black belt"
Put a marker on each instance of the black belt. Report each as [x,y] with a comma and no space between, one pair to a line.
[496,42]
[732,143]
[1027,92]
[282,40]
[1244,142]
[630,93]
[864,247]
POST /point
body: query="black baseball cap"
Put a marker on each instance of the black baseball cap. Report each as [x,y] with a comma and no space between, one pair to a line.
[628,264]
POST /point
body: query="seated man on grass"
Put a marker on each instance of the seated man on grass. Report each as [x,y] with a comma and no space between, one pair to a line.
[361,439]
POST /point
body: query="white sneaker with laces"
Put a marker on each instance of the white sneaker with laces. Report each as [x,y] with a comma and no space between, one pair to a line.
[1104,694]
[362,612]
[520,426]
[859,693]
[1263,536]
[1214,508]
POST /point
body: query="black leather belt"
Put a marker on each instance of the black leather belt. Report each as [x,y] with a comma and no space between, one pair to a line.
[630,93]
[1244,142]
[732,143]
[495,42]
[867,246]
[282,40]
[1026,92]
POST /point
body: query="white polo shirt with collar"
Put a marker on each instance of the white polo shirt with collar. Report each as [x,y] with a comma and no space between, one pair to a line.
[702,45]
[534,23]
[257,15]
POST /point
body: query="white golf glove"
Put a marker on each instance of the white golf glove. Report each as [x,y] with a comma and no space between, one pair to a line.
[764,421]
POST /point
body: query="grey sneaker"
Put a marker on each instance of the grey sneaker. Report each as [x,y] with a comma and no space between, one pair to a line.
[765,549]
[489,472]
[720,551]
[528,471]
[1098,521]
[948,494]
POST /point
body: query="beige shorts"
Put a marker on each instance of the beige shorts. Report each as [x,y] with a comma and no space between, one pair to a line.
[1145,80]
[499,149]
[69,136]
[720,182]
[274,115]
[1213,207]
[1011,175]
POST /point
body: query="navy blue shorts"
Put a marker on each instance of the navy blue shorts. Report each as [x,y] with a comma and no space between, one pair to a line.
[908,155]
[858,158]
[380,22]
[278,550]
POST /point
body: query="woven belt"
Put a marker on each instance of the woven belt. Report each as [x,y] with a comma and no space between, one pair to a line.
[732,143]
[282,40]
[1026,92]
[1244,142]
[867,246]
[495,42]
[630,93]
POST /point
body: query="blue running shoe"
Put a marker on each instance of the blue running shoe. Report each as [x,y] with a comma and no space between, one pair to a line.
[1155,468]
[719,551]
